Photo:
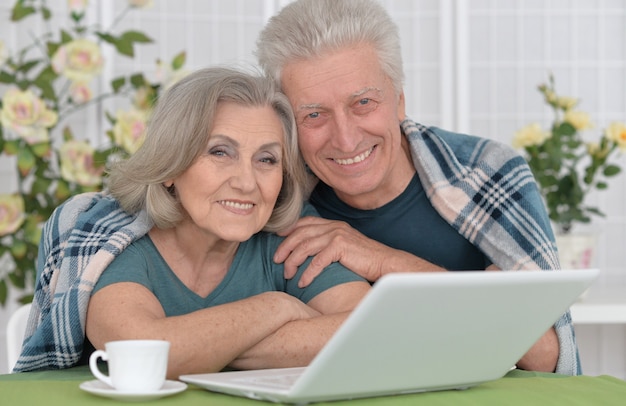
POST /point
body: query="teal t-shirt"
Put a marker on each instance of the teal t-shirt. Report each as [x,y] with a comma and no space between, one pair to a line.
[409,223]
[252,272]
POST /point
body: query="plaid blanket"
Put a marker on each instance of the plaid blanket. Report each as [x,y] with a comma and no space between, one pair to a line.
[78,242]
[482,188]
[487,192]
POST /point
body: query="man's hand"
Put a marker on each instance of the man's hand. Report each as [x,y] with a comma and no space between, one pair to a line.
[331,241]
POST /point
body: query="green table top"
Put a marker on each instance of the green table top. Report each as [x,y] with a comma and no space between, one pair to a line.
[52,388]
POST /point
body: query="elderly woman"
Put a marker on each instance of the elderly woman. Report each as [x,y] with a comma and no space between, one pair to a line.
[181,249]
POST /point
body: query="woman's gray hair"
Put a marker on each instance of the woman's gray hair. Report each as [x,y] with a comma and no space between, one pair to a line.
[307,28]
[178,132]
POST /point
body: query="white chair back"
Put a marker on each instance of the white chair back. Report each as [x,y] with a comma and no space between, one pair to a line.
[16,328]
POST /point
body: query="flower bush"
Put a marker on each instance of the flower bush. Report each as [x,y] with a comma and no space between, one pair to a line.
[44,84]
[566,167]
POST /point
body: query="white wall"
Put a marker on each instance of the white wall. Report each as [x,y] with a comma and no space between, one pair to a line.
[471,65]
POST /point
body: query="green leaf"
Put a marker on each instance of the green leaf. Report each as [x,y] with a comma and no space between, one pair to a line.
[565,129]
[26,299]
[52,48]
[125,47]
[595,211]
[17,279]
[107,38]
[32,231]
[25,161]
[6,77]
[138,80]
[135,36]
[27,66]
[67,134]
[20,12]
[118,83]
[62,191]
[41,149]
[3,292]
[179,60]
[611,170]
[100,157]
[45,81]
[41,185]
[65,37]
[18,249]
[46,13]
[111,119]
[602,185]
[11,147]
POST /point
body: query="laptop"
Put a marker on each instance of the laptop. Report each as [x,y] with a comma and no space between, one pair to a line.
[416,332]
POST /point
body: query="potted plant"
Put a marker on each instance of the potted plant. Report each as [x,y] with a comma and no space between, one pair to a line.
[568,168]
[43,85]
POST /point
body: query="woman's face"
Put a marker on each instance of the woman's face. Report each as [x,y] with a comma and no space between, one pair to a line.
[230,190]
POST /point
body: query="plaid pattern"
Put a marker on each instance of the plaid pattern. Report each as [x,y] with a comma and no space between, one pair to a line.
[487,192]
[484,189]
[78,242]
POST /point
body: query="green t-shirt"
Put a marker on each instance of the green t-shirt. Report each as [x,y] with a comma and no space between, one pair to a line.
[252,272]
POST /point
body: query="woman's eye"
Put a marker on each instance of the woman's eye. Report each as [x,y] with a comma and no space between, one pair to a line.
[218,152]
[270,160]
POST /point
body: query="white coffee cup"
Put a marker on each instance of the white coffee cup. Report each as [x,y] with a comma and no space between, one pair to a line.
[137,366]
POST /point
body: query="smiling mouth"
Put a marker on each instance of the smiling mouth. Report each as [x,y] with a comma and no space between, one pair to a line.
[356,159]
[236,205]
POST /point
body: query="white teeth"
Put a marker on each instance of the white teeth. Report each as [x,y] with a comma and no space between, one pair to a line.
[354,160]
[239,206]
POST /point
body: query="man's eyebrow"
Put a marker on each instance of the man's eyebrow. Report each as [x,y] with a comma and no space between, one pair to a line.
[365,90]
[358,93]
[311,106]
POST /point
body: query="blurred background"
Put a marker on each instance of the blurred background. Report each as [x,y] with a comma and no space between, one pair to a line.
[471,66]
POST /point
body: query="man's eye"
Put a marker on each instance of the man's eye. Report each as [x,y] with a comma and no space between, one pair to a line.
[365,105]
[313,115]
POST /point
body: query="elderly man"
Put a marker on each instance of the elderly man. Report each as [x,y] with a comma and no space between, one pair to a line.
[397,196]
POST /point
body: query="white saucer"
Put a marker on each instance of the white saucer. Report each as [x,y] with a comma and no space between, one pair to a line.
[102,389]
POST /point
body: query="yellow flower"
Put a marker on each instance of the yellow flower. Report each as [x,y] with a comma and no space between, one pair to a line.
[530,135]
[129,129]
[80,92]
[548,94]
[77,6]
[27,115]
[11,213]
[144,98]
[77,163]
[566,103]
[578,119]
[593,149]
[616,132]
[79,60]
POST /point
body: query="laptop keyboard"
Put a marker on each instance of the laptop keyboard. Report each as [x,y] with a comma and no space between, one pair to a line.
[275,381]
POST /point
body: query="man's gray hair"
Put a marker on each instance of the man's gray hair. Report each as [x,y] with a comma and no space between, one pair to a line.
[307,28]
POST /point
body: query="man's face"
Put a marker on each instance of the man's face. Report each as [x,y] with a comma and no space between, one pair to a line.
[348,114]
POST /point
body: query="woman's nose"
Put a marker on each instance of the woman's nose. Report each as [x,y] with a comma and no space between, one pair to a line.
[243,178]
